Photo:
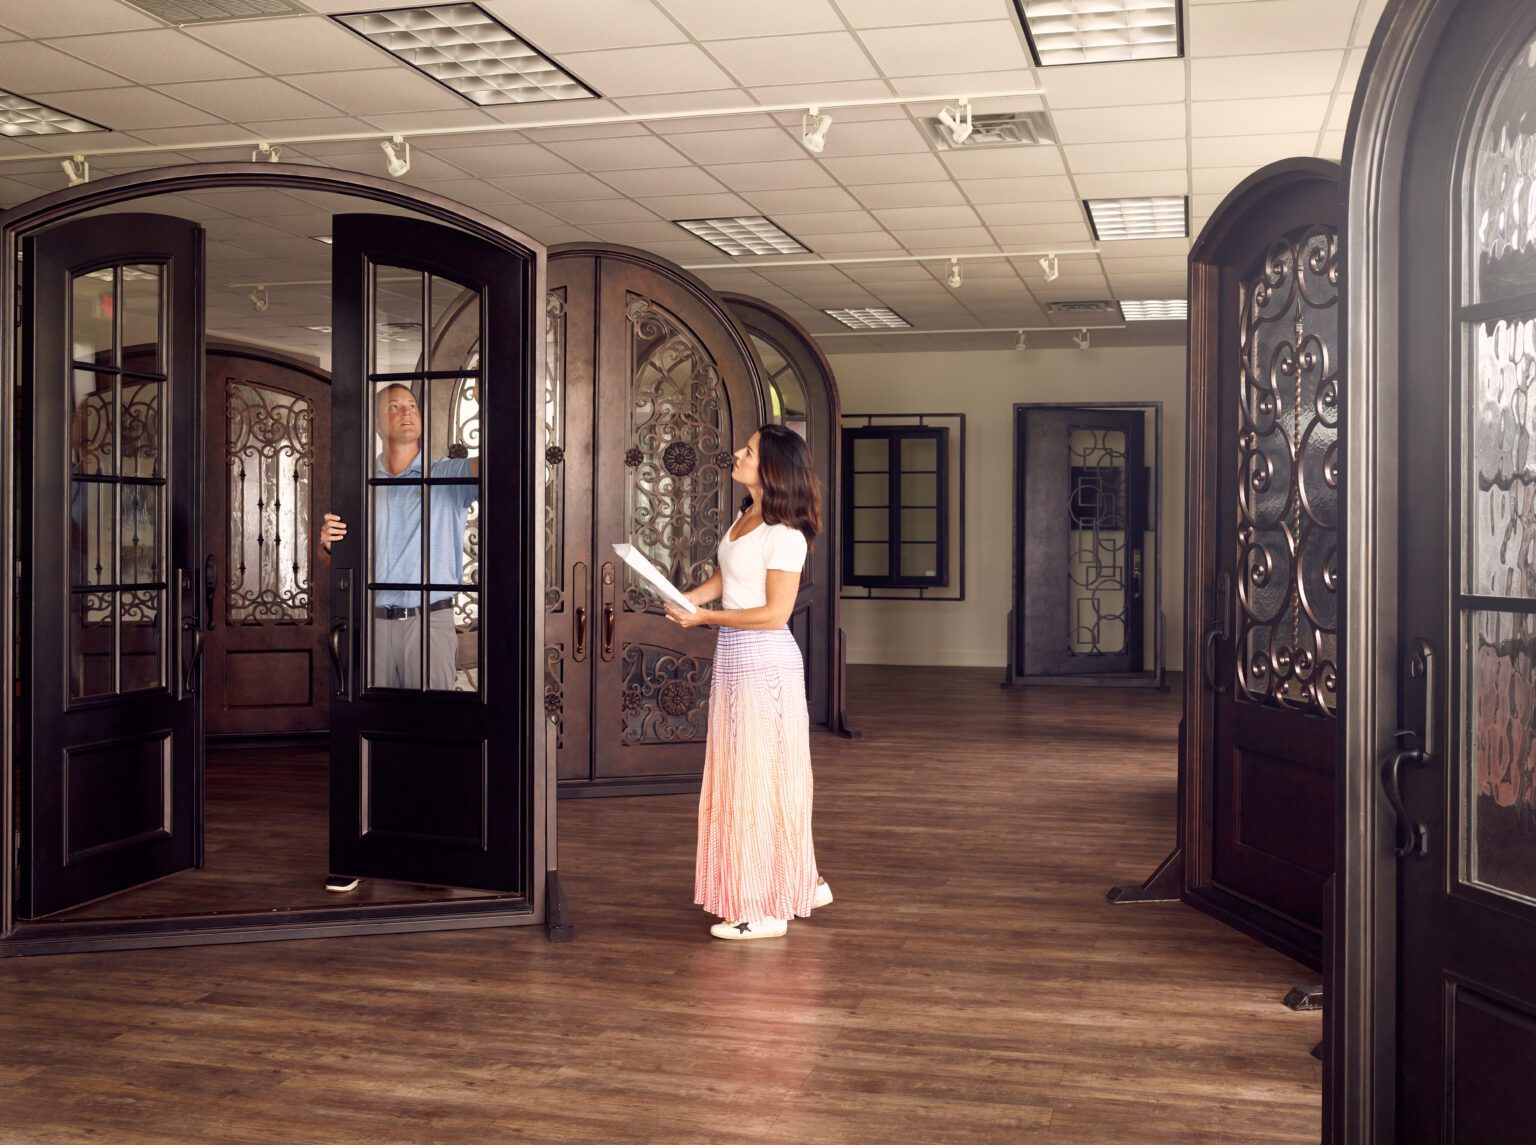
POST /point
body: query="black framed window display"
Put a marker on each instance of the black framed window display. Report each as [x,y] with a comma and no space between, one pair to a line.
[901,505]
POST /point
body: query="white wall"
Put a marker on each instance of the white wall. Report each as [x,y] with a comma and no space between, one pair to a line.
[984,385]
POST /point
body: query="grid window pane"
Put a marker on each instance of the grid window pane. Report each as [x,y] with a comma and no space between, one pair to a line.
[143,635]
[397,316]
[94,302]
[455,326]
[143,428]
[919,490]
[871,524]
[919,560]
[91,636]
[140,533]
[871,560]
[92,533]
[92,423]
[919,454]
[142,290]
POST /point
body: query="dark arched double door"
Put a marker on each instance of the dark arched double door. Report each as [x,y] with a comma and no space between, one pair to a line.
[650,387]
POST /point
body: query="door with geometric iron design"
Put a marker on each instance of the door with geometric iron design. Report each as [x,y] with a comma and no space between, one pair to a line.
[657,388]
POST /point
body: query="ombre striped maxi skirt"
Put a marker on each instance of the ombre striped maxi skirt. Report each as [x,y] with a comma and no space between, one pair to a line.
[755,855]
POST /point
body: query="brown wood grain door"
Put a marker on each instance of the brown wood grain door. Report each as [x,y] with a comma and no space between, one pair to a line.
[1462,774]
[267,459]
[674,391]
[112,731]
[802,394]
[1271,660]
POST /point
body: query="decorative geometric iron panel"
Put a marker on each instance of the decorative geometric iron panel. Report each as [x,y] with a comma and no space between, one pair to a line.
[1288,475]
[679,489]
[665,697]
[1097,542]
[269,461]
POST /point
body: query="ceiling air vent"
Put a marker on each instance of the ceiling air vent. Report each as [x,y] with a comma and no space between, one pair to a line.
[1081,308]
[208,11]
[1005,129]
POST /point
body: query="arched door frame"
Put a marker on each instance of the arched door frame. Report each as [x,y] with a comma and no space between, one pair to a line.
[48,210]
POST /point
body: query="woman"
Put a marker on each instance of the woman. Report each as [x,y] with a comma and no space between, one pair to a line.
[756,865]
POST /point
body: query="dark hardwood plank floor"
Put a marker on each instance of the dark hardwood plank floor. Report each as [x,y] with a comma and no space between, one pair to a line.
[969,984]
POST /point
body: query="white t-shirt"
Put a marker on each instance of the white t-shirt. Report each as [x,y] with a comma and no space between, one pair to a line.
[744,563]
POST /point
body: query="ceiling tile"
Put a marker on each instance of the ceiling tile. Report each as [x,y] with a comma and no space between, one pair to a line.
[934,194]
[1225,117]
[771,176]
[240,99]
[1352,65]
[127,108]
[1254,151]
[712,20]
[802,201]
[28,68]
[43,18]
[473,191]
[1023,213]
[1250,29]
[947,237]
[809,58]
[585,25]
[913,168]
[1331,146]
[698,206]
[647,71]
[1255,77]
[639,153]
[377,90]
[864,242]
[1338,117]
[828,222]
[1121,124]
[1036,234]
[407,121]
[948,86]
[748,145]
[1217,180]
[1041,189]
[897,218]
[584,211]
[1113,85]
[288,45]
[883,137]
[1004,162]
[161,56]
[504,159]
[1159,155]
[554,188]
[1133,184]
[692,101]
[664,181]
[933,49]
[817,93]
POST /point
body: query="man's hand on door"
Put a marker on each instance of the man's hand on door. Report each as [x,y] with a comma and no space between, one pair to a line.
[332,529]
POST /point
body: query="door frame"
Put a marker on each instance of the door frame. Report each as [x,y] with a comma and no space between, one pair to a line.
[546,905]
[1153,677]
[1359,1079]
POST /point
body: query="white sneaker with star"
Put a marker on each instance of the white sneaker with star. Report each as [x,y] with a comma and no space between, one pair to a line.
[823,894]
[740,931]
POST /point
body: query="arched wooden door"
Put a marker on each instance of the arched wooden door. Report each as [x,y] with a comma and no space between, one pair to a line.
[1436,1030]
[651,386]
[801,393]
[267,480]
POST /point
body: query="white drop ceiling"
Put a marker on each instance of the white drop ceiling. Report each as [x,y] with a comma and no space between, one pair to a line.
[1262,80]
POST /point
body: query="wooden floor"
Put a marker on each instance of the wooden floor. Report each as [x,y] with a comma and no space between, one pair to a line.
[969,984]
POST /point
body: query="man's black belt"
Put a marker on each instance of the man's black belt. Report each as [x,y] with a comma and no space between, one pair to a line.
[394,612]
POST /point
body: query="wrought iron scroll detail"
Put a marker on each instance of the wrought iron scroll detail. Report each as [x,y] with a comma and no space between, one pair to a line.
[1288,476]
[1098,542]
[554,689]
[665,696]
[554,450]
[679,412]
[269,460]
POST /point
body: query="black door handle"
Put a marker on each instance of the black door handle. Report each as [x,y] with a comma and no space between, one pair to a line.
[1412,834]
[334,643]
[1221,630]
[189,680]
[210,576]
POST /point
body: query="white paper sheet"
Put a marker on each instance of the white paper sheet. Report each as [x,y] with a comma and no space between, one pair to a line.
[638,561]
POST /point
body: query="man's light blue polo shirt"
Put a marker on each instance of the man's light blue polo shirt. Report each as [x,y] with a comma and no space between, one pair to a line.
[397,530]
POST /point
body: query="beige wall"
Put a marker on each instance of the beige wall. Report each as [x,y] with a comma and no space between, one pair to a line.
[984,385]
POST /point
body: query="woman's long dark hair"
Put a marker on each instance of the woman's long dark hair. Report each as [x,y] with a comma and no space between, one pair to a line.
[791,495]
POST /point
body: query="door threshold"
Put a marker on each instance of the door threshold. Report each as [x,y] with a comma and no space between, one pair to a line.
[1106,680]
[265,926]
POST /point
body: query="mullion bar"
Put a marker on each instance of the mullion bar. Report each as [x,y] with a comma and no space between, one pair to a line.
[429,375]
[1514,306]
[117,484]
[1474,602]
[892,503]
[424,642]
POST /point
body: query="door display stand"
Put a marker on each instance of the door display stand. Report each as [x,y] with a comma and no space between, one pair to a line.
[541,900]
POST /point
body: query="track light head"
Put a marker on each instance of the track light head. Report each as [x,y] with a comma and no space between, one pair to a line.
[958,120]
[1022,343]
[1083,339]
[259,299]
[399,152]
[271,152]
[1051,267]
[813,130]
[954,278]
[77,170]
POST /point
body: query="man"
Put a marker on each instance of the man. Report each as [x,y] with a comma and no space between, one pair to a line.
[397,613]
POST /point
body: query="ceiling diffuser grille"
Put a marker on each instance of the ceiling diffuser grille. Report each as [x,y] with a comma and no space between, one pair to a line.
[1085,307]
[209,11]
[1004,129]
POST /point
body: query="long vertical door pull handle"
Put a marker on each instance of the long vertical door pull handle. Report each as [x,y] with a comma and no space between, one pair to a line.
[210,588]
[610,608]
[579,592]
[1412,834]
[1220,630]
[338,631]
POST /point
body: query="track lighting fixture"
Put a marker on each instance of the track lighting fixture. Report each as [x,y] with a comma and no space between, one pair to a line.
[1083,339]
[1051,267]
[76,170]
[958,120]
[1022,343]
[259,299]
[399,152]
[271,152]
[954,278]
[813,130]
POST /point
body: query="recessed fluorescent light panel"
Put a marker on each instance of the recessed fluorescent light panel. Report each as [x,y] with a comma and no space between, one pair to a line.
[467,50]
[1164,310]
[869,318]
[22,116]
[1161,217]
[752,234]
[1101,31]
